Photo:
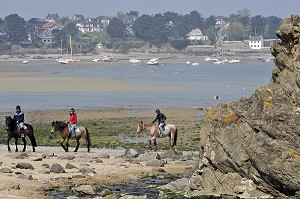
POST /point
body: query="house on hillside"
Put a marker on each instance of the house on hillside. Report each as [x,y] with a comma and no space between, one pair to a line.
[47,37]
[256,42]
[44,32]
[77,17]
[51,25]
[220,21]
[129,21]
[52,18]
[196,35]
[89,26]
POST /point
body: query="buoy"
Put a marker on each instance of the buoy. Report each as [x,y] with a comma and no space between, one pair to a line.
[217,97]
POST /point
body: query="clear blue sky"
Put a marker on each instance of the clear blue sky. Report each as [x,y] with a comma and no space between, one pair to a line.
[93,8]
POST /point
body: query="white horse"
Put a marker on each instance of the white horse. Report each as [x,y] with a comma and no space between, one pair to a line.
[170,130]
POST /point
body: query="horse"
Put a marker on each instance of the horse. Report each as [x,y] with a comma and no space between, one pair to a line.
[64,130]
[170,130]
[13,131]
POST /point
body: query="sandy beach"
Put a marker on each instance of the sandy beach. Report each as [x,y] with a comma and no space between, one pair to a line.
[100,166]
[29,175]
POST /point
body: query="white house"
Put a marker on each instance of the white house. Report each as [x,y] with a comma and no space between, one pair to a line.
[196,34]
[256,42]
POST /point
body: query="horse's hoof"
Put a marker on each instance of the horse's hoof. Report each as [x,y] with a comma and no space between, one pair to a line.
[75,151]
[23,150]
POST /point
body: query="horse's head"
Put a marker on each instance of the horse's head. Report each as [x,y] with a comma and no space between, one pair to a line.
[140,127]
[54,127]
[9,123]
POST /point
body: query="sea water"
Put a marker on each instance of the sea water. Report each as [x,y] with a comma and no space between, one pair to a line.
[192,86]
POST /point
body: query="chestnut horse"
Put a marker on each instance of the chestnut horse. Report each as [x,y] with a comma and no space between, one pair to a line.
[65,134]
[170,130]
[13,131]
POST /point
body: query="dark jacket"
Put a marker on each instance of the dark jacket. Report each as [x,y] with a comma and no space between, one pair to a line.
[19,117]
[160,118]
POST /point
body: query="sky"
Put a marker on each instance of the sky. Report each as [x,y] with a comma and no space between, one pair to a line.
[92,8]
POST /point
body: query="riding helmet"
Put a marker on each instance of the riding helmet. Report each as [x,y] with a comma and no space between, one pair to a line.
[157,111]
[72,109]
[18,107]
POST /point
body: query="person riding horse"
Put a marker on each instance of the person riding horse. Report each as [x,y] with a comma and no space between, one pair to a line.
[19,118]
[160,118]
[73,122]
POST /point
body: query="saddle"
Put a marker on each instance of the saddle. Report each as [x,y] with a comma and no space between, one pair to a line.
[166,130]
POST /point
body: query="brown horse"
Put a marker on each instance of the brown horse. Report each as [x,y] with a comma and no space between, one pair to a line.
[64,130]
[13,131]
[170,130]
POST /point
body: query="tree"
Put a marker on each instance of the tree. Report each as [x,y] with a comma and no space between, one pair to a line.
[257,25]
[116,28]
[154,29]
[15,28]
[236,30]
[180,44]
[272,24]
[134,13]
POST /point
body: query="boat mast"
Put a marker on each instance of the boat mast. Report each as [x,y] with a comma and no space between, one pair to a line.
[60,48]
[71,46]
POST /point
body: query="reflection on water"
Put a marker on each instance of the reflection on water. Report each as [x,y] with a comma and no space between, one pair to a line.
[201,83]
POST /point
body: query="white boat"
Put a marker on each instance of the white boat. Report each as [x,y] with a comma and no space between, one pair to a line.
[62,61]
[25,62]
[153,61]
[234,61]
[134,61]
[188,62]
[95,60]
[108,59]
[207,59]
[195,64]
[219,62]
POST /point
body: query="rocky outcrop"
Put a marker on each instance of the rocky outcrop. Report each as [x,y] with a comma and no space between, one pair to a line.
[251,148]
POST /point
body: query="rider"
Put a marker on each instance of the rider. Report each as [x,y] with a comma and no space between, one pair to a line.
[160,118]
[19,118]
[73,121]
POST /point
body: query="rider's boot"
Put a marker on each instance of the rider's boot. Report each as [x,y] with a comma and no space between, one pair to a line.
[22,133]
[161,133]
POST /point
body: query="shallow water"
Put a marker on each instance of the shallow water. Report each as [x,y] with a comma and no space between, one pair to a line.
[139,187]
[199,85]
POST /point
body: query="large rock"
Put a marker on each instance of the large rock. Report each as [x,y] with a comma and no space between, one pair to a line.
[253,144]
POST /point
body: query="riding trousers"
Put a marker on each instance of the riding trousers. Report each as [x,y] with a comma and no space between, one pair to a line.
[161,127]
[21,125]
[73,127]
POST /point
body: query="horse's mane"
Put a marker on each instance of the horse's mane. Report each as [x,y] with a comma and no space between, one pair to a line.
[61,124]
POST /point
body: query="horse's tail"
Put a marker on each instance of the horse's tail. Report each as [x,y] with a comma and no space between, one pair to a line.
[175,136]
[31,135]
[88,138]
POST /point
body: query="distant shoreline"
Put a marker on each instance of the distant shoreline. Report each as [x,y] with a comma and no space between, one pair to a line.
[165,57]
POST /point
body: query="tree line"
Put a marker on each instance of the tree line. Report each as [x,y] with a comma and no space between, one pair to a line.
[158,29]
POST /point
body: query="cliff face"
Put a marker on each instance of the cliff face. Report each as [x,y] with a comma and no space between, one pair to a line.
[252,147]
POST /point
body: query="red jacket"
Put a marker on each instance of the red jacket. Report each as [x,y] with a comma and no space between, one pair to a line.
[73,118]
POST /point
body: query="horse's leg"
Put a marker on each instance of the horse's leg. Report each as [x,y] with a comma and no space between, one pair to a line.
[67,145]
[154,143]
[8,140]
[77,145]
[150,145]
[16,143]
[24,142]
[62,144]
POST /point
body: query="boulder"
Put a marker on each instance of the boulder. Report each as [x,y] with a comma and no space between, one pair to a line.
[256,140]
